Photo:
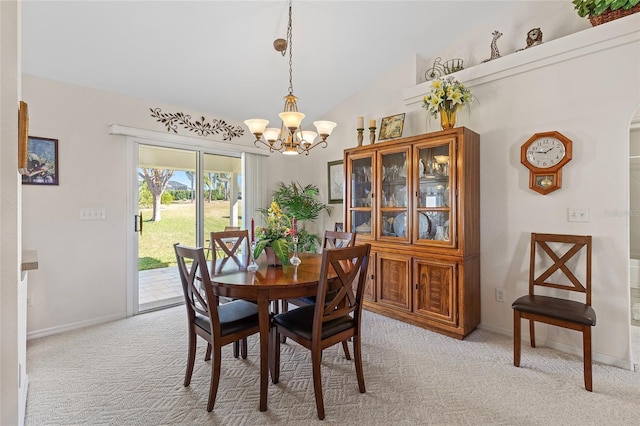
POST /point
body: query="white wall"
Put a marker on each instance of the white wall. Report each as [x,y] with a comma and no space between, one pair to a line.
[10,354]
[590,97]
[82,264]
[634,191]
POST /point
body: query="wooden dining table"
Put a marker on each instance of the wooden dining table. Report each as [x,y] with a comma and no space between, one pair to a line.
[267,284]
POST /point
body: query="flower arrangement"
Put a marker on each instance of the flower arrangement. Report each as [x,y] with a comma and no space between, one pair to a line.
[276,234]
[447,94]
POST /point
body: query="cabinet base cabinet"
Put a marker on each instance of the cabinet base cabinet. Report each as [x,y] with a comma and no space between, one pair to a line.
[443,294]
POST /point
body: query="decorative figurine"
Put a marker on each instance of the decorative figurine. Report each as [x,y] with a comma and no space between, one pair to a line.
[440,69]
[534,38]
[495,53]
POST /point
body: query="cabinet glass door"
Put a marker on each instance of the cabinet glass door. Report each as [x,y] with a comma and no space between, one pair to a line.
[360,195]
[435,193]
[393,169]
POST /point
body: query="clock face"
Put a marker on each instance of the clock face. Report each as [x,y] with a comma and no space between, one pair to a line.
[545,152]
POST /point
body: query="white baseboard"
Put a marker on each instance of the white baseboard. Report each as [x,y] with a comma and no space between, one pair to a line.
[562,347]
[73,326]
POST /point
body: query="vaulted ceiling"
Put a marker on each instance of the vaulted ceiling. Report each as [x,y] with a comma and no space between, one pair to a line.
[217,57]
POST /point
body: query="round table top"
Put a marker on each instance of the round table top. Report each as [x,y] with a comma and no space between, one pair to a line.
[307,273]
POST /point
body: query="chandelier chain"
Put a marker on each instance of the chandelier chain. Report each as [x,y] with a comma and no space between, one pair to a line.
[290,45]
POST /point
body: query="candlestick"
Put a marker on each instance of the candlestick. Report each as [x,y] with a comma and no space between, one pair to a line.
[360,122]
[372,123]
[360,136]
[252,266]
[295,227]
[253,232]
[295,260]
[372,134]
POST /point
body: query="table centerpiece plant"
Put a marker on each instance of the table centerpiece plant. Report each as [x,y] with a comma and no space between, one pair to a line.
[276,234]
[446,97]
[290,201]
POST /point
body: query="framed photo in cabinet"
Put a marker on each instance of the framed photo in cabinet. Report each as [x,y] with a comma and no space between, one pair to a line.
[335,173]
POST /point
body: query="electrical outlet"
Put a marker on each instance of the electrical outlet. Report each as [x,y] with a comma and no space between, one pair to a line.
[29,300]
[499,294]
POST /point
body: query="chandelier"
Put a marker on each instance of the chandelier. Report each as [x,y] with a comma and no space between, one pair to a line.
[289,139]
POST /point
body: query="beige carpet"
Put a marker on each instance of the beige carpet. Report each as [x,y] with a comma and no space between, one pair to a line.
[130,372]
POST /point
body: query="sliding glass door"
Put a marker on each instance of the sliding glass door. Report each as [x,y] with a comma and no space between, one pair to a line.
[182,195]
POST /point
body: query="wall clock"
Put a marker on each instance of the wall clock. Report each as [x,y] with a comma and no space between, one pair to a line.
[545,154]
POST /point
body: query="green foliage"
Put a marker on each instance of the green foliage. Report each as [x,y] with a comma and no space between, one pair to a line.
[166,198]
[145,199]
[275,234]
[300,202]
[180,194]
[597,7]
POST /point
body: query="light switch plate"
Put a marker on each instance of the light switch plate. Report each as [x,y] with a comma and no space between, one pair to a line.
[93,214]
[578,214]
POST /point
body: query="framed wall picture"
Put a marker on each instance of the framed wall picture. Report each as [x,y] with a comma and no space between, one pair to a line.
[391,127]
[42,162]
[23,137]
[335,174]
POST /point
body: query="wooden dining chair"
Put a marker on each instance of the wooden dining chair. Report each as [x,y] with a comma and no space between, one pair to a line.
[335,317]
[230,250]
[217,324]
[229,246]
[556,310]
[208,242]
[331,240]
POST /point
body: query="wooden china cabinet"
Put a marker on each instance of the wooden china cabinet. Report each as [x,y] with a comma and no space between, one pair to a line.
[416,201]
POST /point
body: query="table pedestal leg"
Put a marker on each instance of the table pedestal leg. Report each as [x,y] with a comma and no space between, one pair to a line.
[263,318]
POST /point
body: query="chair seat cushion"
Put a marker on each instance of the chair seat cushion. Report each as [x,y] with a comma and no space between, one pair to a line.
[300,321]
[554,307]
[234,316]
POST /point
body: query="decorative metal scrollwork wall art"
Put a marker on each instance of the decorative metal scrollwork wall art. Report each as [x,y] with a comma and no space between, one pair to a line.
[201,127]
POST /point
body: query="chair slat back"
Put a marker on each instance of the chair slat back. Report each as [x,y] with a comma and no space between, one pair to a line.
[574,245]
[198,291]
[229,245]
[335,296]
[333,239]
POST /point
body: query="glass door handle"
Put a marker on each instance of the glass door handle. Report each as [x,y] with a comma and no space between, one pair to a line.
[138,223]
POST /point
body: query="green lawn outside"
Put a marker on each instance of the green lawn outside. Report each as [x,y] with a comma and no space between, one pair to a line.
[177,225]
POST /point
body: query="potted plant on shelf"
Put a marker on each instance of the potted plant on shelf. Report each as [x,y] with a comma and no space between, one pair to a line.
[601,11]
[274,238]
[446,97]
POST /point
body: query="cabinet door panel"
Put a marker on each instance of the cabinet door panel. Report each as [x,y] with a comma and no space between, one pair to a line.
[435,290]
[360,215]
[435,193]
[394,281]
[369,292]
